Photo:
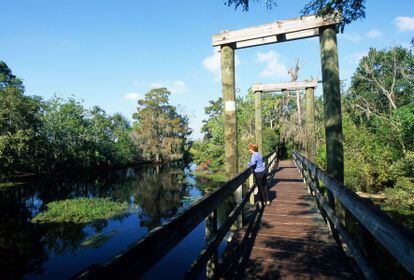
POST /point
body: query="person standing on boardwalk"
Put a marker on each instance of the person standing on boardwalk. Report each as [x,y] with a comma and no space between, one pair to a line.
[259,172]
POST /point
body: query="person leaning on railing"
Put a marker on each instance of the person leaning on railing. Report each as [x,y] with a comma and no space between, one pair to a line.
[259,172]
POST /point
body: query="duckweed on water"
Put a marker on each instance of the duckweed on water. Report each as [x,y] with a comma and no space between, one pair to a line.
[80,210]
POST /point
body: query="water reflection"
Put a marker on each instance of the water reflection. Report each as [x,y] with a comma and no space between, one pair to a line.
[43,251]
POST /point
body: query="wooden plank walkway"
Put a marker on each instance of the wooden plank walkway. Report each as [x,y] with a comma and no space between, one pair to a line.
[292,240]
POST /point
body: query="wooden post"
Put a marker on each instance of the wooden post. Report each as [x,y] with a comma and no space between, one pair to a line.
[211,231]
[332,103]
[230,122]
[332,110]
[310,124]
[258,120]
[251,184]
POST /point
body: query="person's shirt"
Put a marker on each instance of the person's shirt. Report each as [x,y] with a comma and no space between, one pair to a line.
[258,160]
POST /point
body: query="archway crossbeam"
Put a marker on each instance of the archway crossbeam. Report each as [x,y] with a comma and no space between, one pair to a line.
[284,86]
[275,32]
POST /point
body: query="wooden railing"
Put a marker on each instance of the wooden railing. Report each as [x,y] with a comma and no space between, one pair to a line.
[398,241]
[144,254]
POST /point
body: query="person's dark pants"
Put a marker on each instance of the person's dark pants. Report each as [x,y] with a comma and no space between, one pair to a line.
[261,182]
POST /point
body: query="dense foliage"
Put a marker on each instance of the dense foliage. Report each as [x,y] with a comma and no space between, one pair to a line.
[160,132]
[350,10]
[209,153]
[58,135]
[378,128]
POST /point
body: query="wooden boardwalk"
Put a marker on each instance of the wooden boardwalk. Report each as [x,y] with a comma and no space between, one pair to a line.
[291,240]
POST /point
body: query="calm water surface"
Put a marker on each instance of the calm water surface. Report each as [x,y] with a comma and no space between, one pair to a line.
[60,250]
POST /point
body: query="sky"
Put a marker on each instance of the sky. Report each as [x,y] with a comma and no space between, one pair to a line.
[110,53]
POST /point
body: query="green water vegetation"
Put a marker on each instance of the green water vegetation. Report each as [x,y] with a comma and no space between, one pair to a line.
[216,177]
[378,128]
[4,185]
[60,135]
[80,210]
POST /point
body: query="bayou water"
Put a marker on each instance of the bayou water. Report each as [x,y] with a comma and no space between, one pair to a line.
[156,194]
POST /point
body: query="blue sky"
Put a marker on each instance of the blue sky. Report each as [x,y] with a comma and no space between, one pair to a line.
[109,53]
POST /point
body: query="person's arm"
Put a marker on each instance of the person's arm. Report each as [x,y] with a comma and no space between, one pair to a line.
[253,160]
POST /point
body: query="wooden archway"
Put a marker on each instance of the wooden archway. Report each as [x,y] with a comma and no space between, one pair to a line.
[309,88]
[277,32]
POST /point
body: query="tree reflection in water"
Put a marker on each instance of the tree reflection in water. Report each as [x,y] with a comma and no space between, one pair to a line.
[26,248]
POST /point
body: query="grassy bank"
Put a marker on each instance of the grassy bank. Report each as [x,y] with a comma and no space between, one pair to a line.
[80,210]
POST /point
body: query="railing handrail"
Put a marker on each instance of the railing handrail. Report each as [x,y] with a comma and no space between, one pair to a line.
[397,240]
[158,242]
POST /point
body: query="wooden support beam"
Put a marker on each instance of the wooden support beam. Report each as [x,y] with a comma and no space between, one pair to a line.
[258,125]
[332,103]
[279,31]
[310,124]
[285,86]
[332,113]
[230,121]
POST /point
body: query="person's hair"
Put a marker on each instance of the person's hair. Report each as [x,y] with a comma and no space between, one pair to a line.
[254,147]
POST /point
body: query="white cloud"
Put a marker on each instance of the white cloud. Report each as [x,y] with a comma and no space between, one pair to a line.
[133,96]
[274,68]
[177,86]
[136,83]
[353,37]
[374,33]
[212,63]
[404,23]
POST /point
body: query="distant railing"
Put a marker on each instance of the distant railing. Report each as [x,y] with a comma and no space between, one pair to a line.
[144,254]
[396,240]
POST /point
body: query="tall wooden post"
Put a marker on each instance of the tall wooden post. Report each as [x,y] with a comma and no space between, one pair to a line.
[310,124]
[332,102]
[230,122]
[332,111]
[258,120]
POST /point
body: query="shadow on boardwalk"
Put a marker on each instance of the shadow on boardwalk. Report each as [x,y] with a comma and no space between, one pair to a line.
[287,240]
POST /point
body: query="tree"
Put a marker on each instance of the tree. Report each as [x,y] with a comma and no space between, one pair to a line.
[19,123]
[350,10]
[160,132]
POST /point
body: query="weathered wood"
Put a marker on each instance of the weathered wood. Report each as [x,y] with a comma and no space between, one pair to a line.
[258,120]
[356,252]
[212,245]
[332,111]
[211,231]
[397,240]
[279,31]
[278,38]
[332,103]
[293,241]
[230,120]
[284,86]
[251,185]
[310,124]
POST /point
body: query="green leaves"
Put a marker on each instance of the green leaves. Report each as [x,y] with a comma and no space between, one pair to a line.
[80,210]
[160,132]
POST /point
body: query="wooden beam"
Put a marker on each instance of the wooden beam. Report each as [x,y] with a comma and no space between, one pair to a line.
[230,120]
[284,86]
[310,124]
[278,38]
[397,240]
[258,126]
[279,31]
